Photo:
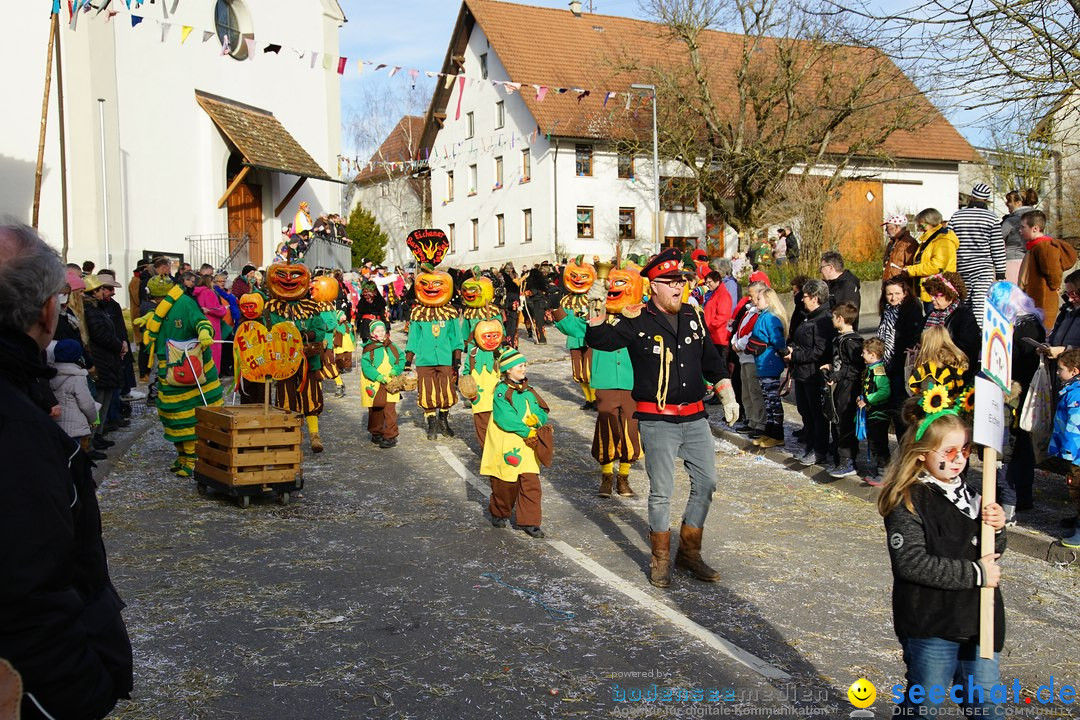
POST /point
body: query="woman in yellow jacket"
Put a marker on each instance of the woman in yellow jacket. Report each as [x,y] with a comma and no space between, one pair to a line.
[937,250]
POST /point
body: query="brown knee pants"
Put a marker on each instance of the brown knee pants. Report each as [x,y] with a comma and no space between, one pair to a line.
[480,422]
[382,420]
[525,493]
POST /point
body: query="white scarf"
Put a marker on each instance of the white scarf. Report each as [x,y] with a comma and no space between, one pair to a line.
[958,493]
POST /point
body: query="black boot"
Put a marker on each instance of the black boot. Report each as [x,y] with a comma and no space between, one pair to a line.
[444,423]
[432,430]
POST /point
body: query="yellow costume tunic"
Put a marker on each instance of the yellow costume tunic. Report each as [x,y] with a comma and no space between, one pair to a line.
[383,365]
[505,453]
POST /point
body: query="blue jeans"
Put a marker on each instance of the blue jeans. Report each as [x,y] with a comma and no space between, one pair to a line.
[662,443]
[936,661]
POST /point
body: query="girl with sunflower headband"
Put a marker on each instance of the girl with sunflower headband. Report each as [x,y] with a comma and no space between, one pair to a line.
[940,363]
[932,521]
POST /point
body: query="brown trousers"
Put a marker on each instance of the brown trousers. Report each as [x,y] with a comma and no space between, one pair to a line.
[616,435]
[306,401]
[480,422]
[251,393]
[382,416]
[1072,478]
[580,364]
[525,493]
[435,388]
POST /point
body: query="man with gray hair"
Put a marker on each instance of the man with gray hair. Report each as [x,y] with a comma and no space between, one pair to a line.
[844,287]
[62,629]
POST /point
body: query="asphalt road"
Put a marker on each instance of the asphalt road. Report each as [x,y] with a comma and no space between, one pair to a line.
[385,593]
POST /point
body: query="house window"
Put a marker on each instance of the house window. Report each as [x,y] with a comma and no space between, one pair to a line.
[450,236]
[584,222]
[500,230]
[449,186]
[472,180]
[500,115]
[526,166]
[526,219]
[483,66]
[626,223]
[626,166]
[475,234]
[384,190]
[498,173]
[229,17]
[470,126]
[404,219]
[678,194]
[583,160]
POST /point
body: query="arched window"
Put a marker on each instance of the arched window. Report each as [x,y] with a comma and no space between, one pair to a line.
[232,21]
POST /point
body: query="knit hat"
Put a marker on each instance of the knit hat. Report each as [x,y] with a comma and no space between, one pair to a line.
[900,220]
[68,351]
[510,358]
[75,281]
[159,286]
[377,324]
[981,192]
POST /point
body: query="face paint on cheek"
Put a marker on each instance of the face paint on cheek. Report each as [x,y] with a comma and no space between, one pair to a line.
[941,467]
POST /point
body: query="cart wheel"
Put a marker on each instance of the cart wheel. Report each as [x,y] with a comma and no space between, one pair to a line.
[244,501]
[284,498]
[200,488]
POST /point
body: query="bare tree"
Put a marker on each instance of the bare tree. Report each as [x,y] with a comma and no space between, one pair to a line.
[793,94]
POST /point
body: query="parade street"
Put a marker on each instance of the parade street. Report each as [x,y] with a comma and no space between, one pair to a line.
[385,593]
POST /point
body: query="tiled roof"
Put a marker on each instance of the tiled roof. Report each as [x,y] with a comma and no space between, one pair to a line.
[552,47]
[401,145]
[259,137]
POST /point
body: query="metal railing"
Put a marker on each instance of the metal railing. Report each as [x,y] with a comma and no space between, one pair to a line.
[223,251]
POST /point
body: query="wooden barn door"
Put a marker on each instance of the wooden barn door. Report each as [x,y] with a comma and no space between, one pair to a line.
[853,221]
[245,218]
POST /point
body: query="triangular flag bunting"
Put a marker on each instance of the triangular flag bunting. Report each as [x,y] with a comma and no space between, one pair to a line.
[272,48]
[449,81]
[225,49]
[541,92]
[135,20]
[165,30]
[413,74]
[582,95]
[184,32]
[359,67]
[608,96]
[207,35]
[394,70]
[327,62]
[341,65]
[461,92]
[314,59]
[379,67]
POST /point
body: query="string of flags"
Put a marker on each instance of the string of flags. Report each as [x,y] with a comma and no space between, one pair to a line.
[446,155]
[338,64]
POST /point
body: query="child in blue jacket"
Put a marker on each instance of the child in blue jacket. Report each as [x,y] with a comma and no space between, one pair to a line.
[1065,440]
[768,345]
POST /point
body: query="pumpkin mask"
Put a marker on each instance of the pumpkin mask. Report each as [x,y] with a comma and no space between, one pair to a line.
[624,289]
[324,289]
[579,276]
[286,281]
[434,288]
[251,306]
[488,334]
[477,292]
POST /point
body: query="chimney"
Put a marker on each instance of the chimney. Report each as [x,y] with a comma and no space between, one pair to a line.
[575,7]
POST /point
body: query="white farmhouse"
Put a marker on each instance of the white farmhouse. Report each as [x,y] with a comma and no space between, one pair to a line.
[525,162]
[173,144]
[1060,129]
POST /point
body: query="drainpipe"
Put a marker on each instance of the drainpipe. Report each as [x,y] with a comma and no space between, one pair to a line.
[104,182]
[555,193]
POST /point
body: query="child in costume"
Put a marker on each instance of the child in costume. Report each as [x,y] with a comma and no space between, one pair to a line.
[324,290]
[344,343]
[477,299]
[288,284]
[435,346]
[1065,439]
[843,380]
[611,378]
[251,392]
[180,337]
[932,520]
[510,457]
[938,362]
[380,360]
[875,402]
[578,279]
[78,409]
[480,373]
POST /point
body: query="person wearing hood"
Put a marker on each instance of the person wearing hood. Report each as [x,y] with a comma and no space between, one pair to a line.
[844,287]
[78,409]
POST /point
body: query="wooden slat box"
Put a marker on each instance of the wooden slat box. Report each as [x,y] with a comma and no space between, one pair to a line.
[242,445]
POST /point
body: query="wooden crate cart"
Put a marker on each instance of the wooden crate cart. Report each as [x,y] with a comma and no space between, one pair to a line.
[248,450]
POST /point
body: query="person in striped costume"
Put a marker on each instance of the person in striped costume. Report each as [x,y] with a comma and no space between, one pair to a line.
[179,338]
[980,257]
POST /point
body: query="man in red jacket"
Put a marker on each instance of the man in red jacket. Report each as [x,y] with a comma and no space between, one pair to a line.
[718,312]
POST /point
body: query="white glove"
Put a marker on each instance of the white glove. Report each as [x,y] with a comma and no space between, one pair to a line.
[598,291]
[727,398]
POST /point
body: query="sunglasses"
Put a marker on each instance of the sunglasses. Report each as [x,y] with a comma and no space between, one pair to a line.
[951,454]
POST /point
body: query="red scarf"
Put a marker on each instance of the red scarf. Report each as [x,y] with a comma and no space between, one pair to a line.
[1040,239]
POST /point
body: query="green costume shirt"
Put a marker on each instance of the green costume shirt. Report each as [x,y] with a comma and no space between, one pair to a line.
[876,392]
[433,343]
[610,370]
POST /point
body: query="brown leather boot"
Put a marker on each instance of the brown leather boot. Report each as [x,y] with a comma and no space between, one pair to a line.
[623,486]
[316,443]
[605,485]
[689,555]
[660,565]
[11,691]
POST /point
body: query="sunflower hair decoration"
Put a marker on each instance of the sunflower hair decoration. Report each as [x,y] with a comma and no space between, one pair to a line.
[936,403]
[966,401]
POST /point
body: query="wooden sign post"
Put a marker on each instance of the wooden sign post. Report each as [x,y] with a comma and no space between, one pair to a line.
[994,380]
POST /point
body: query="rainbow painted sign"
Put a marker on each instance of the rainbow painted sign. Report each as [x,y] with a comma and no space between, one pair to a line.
[997,347]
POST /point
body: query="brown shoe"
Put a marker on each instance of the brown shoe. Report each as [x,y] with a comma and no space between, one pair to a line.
[769,442]
[623,486]
[316,443]
[660,565]
[689,555]
[605,485]
[11,690]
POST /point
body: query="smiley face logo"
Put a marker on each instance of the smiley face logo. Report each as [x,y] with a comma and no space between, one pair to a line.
[862,693]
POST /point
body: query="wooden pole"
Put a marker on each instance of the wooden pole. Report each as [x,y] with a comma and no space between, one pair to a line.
[289,196]
[233,185]
[53,26]
[986,542]
[63,144]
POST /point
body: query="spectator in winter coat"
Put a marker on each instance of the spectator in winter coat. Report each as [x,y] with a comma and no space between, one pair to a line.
[105,345]
[62,629]
[1046,261]
[936,252]
[768,344]
[947,309]
[980,254]
[844,287]
[1066,332]
[242,284]
[78,410]
[810,348]
[900,250]
[718,312]
[1019,204]
[214,309]
[900,328]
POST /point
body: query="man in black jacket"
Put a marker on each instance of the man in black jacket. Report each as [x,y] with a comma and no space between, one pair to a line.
[106,347]
[61,628]
[844,287]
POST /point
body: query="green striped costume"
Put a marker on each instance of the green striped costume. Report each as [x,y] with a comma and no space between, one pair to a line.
[178,317]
